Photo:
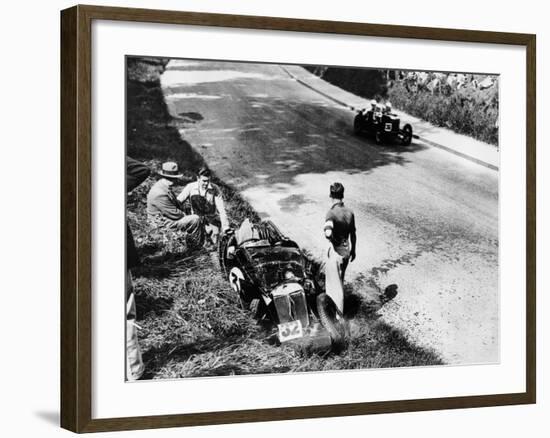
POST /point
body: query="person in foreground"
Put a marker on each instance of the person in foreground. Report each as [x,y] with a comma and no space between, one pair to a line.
[206,202]
[136,173]
[164,209]
[340,231]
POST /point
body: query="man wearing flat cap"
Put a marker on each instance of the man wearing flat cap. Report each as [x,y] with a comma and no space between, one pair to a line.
[164,209]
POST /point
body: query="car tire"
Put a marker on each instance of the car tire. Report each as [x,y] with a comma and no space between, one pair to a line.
[357,122]
[333,320]
[407,135]
[273,232]
[378,137]
[222,249]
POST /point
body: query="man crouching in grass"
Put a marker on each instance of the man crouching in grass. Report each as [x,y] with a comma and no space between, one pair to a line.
[165,211]
[207,203]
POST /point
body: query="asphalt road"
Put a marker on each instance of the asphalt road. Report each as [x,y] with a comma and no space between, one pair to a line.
[426,219]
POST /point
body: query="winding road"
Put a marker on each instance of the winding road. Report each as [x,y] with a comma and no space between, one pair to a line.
[426,219]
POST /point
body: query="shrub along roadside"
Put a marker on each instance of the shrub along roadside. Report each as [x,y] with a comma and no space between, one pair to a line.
[191,323]
[469,112]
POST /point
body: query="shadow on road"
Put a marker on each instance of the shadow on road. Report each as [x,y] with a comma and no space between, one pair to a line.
[305,138]
[264,129]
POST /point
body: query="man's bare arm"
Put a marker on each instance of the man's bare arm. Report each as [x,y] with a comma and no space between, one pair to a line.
[184,194]
[220,206]
[353,239]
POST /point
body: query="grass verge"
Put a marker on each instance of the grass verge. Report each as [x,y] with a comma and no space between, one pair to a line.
[191,323]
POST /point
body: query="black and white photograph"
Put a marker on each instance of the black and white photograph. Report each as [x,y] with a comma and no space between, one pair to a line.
[307,218]
[270,219]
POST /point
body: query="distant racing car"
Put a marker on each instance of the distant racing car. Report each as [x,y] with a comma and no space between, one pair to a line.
[384,125]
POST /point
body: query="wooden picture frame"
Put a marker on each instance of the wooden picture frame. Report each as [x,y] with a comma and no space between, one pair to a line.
[76,217]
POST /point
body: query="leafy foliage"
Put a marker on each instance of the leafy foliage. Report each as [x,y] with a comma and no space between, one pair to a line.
[466,111]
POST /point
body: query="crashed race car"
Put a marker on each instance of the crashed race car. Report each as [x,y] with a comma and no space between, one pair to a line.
[274,283]
[384,125]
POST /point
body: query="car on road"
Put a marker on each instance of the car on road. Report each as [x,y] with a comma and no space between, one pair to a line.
[384,125]
[271,276]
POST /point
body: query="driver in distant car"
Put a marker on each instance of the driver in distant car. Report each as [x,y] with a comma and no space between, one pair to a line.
[370,113]
[377,113]
[340,232]
[206,202]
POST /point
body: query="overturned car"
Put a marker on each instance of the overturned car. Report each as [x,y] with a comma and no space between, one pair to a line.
[274,282]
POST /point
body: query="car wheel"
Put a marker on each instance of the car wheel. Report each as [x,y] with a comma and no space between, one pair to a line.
[378,137]
[223,243]
[236,280]
[357,124]
[407,135]
[333,320]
